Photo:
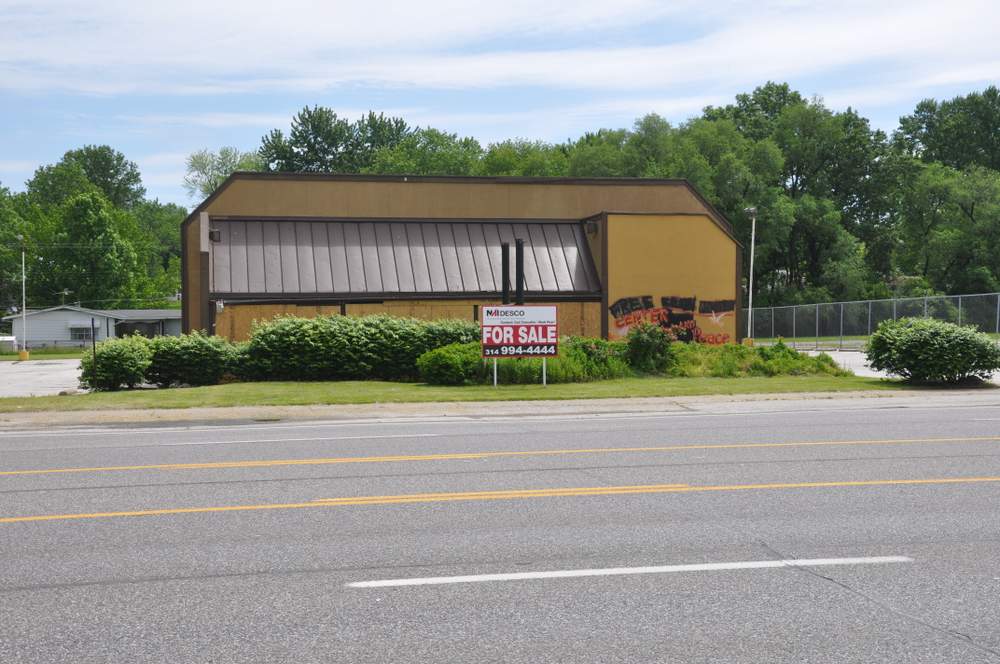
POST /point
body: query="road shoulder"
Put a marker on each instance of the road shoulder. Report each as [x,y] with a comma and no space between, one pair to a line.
[715,404]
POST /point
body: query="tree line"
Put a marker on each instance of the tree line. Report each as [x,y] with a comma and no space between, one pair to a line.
[845,211]
[90,236]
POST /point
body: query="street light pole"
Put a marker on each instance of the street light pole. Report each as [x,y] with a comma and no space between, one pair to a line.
[752,211]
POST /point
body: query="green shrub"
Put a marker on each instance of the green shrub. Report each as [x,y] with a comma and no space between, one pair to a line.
[237,363]
[189,359]
[293,348]
[454,364]
[392,345]
[120,363]
[438,333]
[932,351]
[344,348]
[732,360]
[649,348]
[601,359]
[580,359]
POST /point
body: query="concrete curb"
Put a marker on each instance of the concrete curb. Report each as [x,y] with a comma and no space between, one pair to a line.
[713,404]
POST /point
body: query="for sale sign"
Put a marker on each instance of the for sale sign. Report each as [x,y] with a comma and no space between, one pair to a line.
[520,331]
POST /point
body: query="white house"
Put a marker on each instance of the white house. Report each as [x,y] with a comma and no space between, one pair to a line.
[67,325]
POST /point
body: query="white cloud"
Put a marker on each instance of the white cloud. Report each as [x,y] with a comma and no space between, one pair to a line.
[562,122]
[214,120]
[163,179]
[228,119]
[160,159]
[906,89]
[184,47]
[17,165]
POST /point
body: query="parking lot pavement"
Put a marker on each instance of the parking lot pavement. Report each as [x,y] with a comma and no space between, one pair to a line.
[38,377]
[855,361]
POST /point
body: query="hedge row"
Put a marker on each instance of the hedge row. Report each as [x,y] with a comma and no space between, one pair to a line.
[581,359]
[285,348]
[346,348]
[440,352]
[648,350]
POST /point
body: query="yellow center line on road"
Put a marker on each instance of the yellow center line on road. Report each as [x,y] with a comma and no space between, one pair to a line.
[502,495]
[269,463]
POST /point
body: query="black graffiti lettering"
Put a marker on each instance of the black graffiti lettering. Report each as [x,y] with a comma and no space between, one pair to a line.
[716,306]
[677,319]
[675,302]
[627,305]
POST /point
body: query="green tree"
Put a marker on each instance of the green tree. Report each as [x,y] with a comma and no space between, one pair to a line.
[961,132]
[863,180]
[322,142]
[429,152]
[53,185]
[599,154]
[117,177]
[950,228]
[319,141]
[12,225]
[206,170]
[518,157]
[649,146]
[756,114]
[372,133]
[160,224]
[90,256]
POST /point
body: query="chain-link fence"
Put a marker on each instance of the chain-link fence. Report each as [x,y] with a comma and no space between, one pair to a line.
[847,325]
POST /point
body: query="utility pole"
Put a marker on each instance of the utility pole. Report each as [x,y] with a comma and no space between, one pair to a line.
[752,211]
[23,355]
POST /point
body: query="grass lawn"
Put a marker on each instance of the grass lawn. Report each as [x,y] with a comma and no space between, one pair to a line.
[48,354]
[347,392]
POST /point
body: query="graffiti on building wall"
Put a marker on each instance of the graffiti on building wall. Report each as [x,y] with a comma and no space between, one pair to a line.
[686,317]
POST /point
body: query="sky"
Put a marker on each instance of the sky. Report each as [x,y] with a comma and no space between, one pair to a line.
[159,80]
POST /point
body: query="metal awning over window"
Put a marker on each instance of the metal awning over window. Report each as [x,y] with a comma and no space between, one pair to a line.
[395,258]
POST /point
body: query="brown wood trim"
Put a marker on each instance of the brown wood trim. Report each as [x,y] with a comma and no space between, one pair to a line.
[337,298]
[206,304]
[741,322]
[605,231]
[481,179]
[396,220]
[185,292]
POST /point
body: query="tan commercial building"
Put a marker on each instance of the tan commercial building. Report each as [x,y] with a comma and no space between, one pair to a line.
[609,251]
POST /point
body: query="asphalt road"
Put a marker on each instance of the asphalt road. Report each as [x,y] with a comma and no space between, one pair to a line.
[259,542]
